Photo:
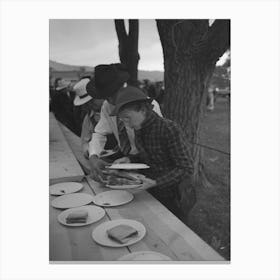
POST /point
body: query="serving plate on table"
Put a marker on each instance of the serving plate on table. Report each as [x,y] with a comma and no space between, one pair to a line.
[65,188]
[95,214]
[123,187]
[112,198]
[145,256]
[123,180]
[72,200]
[128,166]
[100,236]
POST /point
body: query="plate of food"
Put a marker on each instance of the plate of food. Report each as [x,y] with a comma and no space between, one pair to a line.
[72,200]
[145,256]
[65,188]
[112,198]
[119,233]
[128,166]
[121,180]
[81,216]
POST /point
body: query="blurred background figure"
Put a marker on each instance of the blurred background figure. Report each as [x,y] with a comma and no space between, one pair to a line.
[85,106]
[210,100]
[62,102]
[159,93]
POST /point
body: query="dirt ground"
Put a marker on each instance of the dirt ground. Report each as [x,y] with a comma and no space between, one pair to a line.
[210,218]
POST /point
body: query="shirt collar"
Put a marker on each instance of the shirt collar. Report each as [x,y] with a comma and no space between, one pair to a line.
[151,117]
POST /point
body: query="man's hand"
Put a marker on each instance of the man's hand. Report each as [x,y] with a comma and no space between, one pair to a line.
[122,160]
[147,183]
[96,166]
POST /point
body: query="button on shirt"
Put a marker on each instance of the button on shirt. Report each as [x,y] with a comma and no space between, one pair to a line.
[163,147]
[107,125]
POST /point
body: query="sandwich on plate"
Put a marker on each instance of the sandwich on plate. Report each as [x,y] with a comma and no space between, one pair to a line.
[122,233]
[79,216]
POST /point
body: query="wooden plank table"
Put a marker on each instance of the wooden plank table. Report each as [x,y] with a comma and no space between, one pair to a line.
[165,233]
[76,243]
[75,144]
[63,165]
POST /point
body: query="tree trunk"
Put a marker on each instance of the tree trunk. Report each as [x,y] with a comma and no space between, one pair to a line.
[128,47]
[187,85]
[187,72]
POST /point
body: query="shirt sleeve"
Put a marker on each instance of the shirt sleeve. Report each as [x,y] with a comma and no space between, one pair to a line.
[156,107]
[87,129]
[98,139]
[180,157]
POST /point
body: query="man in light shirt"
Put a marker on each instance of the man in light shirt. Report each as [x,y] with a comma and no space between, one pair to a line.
[108,79]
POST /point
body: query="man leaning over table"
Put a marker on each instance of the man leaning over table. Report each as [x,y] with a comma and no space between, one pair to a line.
[163,146]
[108,79]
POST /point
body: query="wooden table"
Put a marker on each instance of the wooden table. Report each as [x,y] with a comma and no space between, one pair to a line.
[165,233]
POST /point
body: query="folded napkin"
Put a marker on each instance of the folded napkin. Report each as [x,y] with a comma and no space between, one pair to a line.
[122,233]
[79,216]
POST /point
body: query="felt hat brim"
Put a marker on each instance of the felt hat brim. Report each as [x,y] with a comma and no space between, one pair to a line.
[80,101]
[62,87]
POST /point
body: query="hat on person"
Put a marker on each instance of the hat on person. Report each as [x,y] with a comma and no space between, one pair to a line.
[127,95]
[108,79]
[82,96]
[86,75]
[63,84]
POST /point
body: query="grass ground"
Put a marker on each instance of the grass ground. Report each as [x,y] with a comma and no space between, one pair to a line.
[210,218]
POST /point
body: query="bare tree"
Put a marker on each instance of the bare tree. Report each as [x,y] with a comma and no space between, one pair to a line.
[191,49]
[128,47]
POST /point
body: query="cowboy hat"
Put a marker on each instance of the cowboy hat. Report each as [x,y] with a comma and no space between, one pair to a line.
[108,79]
[127,95]
[82,96]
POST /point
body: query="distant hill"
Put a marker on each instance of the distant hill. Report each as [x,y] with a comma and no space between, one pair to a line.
[142,74]
[65,67]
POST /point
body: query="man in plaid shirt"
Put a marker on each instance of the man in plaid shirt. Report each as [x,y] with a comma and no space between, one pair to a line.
[161,145]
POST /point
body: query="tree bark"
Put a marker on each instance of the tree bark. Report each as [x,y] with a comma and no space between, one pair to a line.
[191,49]
[128,47]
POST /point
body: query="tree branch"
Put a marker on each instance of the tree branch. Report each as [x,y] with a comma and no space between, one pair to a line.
[133,29]
[120,30]
[213,44]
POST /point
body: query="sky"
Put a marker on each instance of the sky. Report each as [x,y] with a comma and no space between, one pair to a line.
[89,42]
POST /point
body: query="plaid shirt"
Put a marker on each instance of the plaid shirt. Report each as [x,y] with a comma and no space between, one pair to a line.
[162,146]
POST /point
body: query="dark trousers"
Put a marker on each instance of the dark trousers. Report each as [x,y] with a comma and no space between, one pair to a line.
[178,199]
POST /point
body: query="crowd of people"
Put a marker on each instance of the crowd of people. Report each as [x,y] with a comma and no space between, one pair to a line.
[107,113]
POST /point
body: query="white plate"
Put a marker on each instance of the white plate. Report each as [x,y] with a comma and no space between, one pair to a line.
[129,166]
[65,188]
[123,187]
[72,200]
[95,214]
[145,256]
[112,198]
[100,235]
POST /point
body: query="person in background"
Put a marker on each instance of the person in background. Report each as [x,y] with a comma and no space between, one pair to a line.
[160,93]
[62,103]
[86,112]
[210,100]
[83,104]
[108,79]
[162,145]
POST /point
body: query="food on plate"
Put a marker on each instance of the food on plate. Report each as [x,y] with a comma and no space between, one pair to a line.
[79,216]
[114,178]
[122,233]
[117,181]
